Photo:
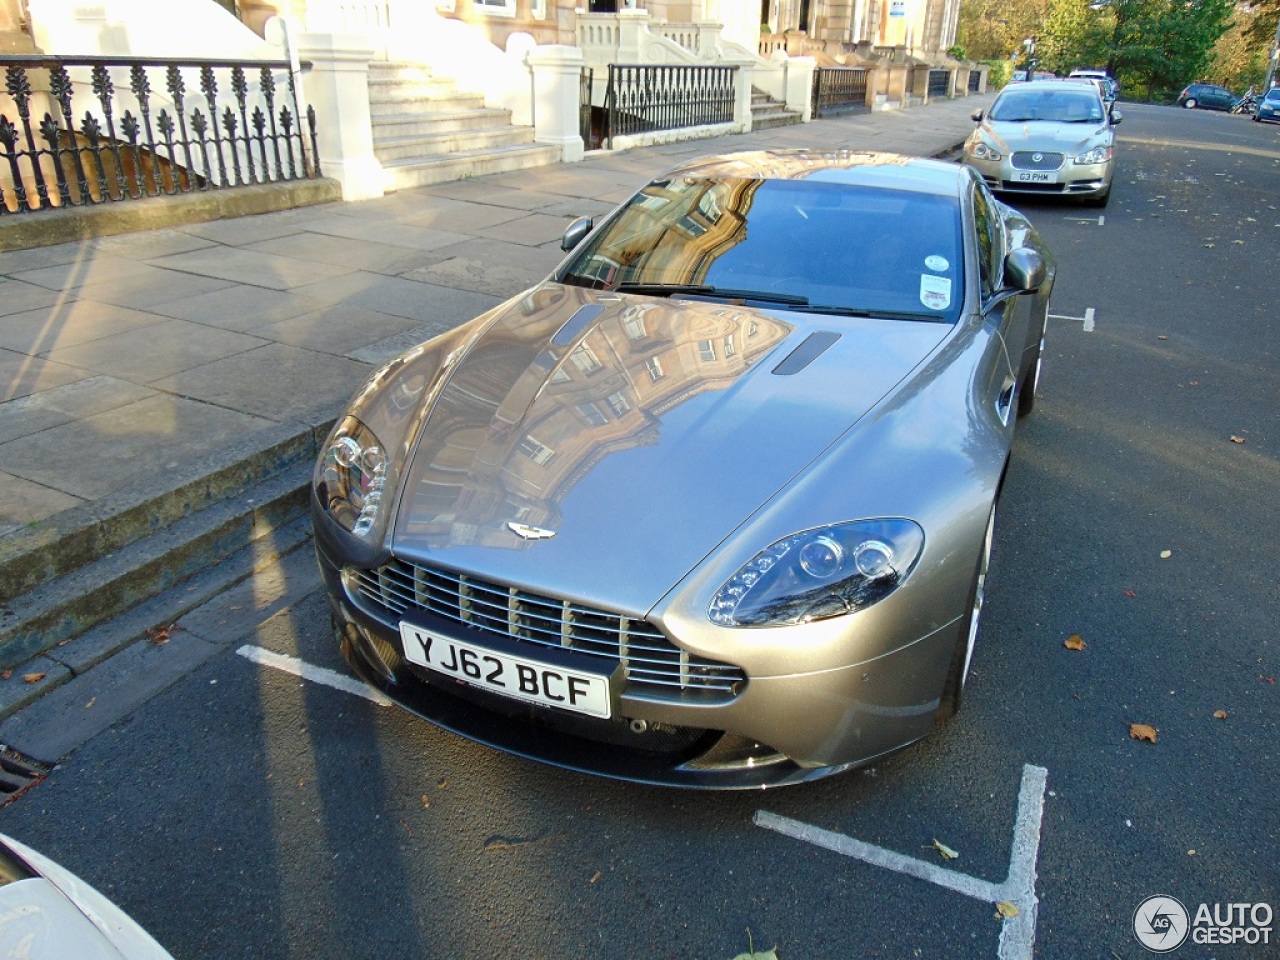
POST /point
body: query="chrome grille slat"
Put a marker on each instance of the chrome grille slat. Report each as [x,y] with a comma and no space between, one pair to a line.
[649,660]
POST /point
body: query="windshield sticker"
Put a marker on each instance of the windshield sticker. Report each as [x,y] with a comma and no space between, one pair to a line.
[936,263]
[935,292]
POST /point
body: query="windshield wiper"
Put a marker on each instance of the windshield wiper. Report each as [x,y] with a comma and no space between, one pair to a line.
[877,314]
[707,290]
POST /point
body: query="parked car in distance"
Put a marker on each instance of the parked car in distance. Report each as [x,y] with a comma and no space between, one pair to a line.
[1269,106]
[1207,96]
[1052,137]
[1110,87]
[48,913]
[711,506]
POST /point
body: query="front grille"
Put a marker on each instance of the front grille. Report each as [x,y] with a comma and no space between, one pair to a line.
[1023,186]
[1026,160]
[650,661]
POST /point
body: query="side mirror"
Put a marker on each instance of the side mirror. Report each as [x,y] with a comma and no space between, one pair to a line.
[1116,117]
[977,116]
[575,233]
[1024,270]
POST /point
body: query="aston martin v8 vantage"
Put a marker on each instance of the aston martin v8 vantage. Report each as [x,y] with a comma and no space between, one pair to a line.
[712,506]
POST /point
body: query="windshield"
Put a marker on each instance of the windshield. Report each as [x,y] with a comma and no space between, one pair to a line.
[805,245]
[1056,106]
[1273,94]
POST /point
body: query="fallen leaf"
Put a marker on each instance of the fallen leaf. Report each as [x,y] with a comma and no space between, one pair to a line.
[1209,246]
[1195,383]
[1191,852]
[1235,439]
[1166,554]
[942,848]
[1074,642]
[1162,337]
[1142,731]
[596,877]
[1006,909]
[91,702]
[33,677]
[751,951]
[6,674]
[1260,677]
[1220,714]
[426,801]
[1130,593]
[161,635]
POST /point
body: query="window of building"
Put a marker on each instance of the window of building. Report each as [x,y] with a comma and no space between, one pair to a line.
[584,359]
[496,8]
[729,349]
[535,450]
[706,350]
[654,368]
[592,414]
[619,403]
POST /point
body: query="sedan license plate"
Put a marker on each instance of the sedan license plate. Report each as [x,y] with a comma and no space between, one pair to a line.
[1034,177]
[509,676]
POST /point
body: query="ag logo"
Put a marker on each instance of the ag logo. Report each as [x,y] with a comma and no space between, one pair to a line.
[1161,924]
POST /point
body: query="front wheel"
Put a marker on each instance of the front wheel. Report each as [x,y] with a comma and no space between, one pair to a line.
[953,692]
[1190,104]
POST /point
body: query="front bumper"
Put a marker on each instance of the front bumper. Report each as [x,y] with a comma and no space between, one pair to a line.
[773,731]
[1070,179]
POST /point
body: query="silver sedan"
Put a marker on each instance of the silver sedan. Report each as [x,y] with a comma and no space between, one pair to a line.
[712,506]
[1053,137]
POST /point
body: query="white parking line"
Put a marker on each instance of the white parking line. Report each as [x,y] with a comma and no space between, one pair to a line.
[1086,321]
[1017,933]
[1100,219]
[304,670]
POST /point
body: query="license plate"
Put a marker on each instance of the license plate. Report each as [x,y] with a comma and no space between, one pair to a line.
[1034,177]
[533,681]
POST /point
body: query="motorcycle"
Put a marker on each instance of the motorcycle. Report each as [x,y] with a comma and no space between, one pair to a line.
[1248,104]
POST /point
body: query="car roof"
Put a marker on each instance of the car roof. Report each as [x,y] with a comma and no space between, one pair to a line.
[853,167]
[1066,83]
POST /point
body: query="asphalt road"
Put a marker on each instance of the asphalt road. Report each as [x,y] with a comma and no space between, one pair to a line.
[250,813]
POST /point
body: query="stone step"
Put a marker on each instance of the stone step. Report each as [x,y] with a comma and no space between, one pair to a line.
[437,121]
[51,617]
[385,100]
[455,143]
[420,171]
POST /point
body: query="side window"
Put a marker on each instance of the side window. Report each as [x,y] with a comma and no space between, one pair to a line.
[990,239]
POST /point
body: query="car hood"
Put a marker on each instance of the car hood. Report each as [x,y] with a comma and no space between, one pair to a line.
[1065,138]
[629,435]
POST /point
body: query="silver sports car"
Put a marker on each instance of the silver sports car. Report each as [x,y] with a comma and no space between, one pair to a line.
[712,506]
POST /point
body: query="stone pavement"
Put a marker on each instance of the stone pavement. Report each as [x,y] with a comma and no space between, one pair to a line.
[140,373]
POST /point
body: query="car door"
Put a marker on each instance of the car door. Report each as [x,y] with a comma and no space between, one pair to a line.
[1010,319]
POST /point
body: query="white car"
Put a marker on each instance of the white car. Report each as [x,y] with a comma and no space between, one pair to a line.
[1047,137]
[48,913]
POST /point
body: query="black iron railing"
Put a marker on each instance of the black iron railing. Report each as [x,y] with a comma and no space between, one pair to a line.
[645,99]
[975,81]
[839,90]
[585,80]
[939,83]
[79,131]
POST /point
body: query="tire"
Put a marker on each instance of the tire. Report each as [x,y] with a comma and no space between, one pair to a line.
[953,691]
[1191,103]
[1030,378]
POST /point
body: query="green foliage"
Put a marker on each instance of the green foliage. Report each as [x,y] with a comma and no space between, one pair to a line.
[998,73]
[957,53]
[1238,61]
[1153,47]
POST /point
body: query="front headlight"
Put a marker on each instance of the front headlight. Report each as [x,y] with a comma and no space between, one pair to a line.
[352,478]
[818,574]
[1096,155]
[984,151]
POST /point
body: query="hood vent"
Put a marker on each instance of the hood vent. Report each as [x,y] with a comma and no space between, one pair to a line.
[576,324]
[813,346]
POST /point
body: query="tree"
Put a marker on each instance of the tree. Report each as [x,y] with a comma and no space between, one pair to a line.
[995,29]
[1158,46]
